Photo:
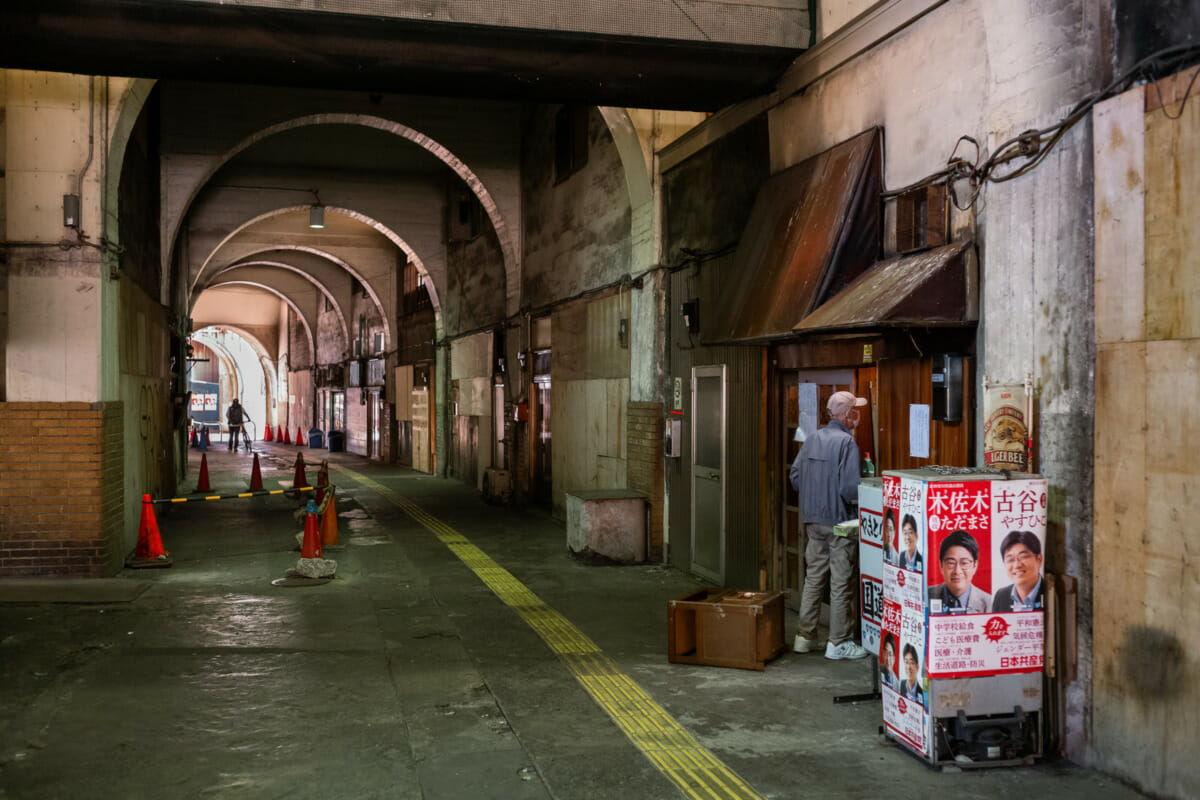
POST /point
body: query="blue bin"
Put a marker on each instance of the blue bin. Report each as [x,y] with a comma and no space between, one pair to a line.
[315,438]
[337,441]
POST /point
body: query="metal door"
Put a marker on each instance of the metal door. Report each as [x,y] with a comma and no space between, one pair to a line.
[374,418]
[708,472]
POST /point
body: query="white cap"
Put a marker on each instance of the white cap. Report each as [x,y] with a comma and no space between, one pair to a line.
[841,402]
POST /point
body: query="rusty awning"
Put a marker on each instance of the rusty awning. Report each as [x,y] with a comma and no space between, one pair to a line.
[813,229]
[928,289]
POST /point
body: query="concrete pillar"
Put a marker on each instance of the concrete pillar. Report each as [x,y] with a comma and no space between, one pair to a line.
[62,304]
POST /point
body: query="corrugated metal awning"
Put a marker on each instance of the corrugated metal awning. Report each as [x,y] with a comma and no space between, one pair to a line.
[813,229]
[933,288]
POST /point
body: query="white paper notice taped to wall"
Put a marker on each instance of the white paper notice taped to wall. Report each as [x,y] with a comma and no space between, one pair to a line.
[918,431]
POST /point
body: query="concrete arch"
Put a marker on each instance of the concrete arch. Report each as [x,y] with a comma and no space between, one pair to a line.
[301,294]
[227,360]
[633,158]
[249,268]
[308,329]
[264,357]
[129,108]
[324,255]
[442,153]
[391,235]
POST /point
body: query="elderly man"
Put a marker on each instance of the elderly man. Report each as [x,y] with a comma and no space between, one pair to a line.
[825,475]
[1022,554]
[959,558]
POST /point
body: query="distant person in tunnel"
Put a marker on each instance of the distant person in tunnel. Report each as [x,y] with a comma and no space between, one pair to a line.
[235,416]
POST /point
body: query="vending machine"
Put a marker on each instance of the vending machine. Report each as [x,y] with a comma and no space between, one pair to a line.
[961,638]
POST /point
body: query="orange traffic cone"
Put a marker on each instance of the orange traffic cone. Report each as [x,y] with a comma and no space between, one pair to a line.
[286,438]
[202,483]
[311,546]
[299,437]
[322,481]
[279,433]
[329,528]
[301,479]
[149,551]
[256,476]
[267,435]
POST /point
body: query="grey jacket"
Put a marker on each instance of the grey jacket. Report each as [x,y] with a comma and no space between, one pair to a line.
[825,475]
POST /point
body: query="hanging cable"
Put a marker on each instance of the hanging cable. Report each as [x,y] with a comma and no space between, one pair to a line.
[1035,145]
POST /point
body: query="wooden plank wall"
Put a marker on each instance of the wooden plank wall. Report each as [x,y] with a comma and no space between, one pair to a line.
[1146,624]
[909,380]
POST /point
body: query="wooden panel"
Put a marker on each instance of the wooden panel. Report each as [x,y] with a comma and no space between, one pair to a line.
[606,358]
[1120,249]
[907,381]
[1172,499]
[403,386]
[570,342]
[864,434]
[421,427]
[1120,493]
[1172,236]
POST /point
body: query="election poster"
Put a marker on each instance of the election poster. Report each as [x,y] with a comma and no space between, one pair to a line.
[904,677]
[870,563]
[986,549]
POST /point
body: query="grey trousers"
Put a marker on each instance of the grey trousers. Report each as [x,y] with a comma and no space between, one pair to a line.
[828,559]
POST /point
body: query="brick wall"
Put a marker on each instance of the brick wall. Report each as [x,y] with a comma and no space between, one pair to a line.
[644,447]
[61,489]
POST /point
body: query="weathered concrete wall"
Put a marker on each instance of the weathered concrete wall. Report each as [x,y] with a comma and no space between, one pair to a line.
[706,202]
[470,395]
[577,231]
[648,131]
[475,278]
[1147,588]
[992,70]
[140,259]
[299,350]
[332,344]
[146,389]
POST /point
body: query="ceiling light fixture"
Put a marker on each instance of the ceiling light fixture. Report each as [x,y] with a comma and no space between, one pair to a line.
[316,212]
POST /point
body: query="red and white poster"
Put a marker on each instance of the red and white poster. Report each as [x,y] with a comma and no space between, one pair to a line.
[903,674]
[870,564]
[986,542]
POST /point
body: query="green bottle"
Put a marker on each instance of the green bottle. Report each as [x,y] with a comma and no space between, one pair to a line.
[868,467]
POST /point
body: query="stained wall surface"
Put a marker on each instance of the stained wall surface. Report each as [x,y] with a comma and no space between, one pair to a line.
[1147,586]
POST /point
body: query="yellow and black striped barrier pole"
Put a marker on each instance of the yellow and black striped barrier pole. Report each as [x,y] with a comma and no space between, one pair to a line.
[239,495]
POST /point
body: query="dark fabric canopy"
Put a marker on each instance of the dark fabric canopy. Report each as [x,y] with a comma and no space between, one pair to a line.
[814,228]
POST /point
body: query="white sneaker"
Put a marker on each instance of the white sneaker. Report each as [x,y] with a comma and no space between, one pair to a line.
[846,650]
[802,645]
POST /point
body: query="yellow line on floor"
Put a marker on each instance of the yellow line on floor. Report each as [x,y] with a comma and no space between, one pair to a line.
[695,771]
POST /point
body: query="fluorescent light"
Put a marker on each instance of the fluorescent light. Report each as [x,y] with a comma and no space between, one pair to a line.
[316,216]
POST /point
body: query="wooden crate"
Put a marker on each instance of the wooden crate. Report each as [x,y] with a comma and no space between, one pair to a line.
[725,628]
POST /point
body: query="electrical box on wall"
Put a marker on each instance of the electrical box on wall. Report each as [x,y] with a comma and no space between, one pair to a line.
[673,438]
[947,387]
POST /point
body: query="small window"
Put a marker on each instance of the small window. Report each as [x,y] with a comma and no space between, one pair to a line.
[570,141]
[466,214]
[922,218]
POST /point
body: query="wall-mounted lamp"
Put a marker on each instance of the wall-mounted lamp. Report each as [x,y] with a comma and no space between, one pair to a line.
[316,212]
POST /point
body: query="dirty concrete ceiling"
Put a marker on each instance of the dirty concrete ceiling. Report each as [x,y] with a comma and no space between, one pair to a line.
[283,47]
